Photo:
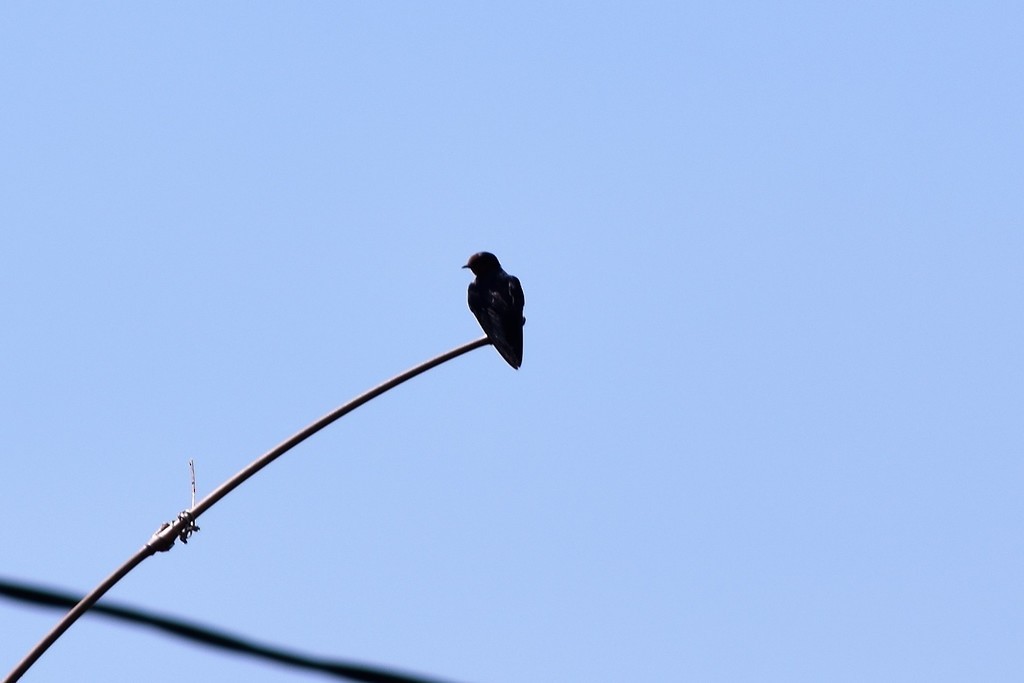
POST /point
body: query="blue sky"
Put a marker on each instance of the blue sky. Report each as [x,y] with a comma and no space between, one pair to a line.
[768,422]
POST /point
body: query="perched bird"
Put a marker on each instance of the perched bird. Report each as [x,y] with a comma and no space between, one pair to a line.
[496,299]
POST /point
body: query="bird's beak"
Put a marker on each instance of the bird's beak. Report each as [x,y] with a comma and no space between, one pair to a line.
[466,266]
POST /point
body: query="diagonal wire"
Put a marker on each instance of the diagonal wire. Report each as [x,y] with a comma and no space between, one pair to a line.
[48,597]
[184,526]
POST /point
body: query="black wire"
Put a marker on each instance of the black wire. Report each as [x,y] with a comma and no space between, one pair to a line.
[201,634]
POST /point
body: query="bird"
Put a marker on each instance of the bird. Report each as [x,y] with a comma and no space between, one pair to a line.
[496,299]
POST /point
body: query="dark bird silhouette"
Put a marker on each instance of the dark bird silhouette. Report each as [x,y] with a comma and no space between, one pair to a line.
[496,299]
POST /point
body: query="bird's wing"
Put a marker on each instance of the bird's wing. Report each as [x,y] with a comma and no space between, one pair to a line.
[498,305]
[515,292]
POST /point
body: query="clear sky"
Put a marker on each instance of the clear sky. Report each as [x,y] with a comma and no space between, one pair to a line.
[768,424]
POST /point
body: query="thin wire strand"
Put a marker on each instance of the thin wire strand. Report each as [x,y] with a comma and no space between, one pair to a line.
[204,635]
[164,538]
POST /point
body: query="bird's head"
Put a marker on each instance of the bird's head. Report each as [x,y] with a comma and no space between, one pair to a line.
[483,263]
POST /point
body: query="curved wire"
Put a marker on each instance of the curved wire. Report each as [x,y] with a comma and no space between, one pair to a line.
[164,538]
